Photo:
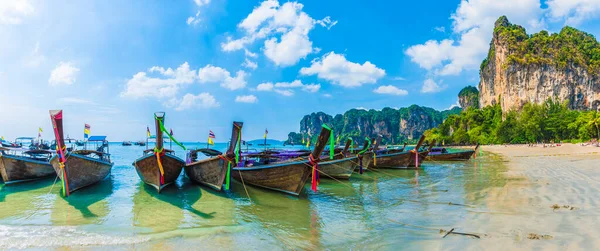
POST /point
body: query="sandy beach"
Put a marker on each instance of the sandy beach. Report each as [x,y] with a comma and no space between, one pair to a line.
[550,202]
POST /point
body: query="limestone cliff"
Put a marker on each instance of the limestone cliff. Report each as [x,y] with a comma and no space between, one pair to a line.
[468,97]
[523,68]
[394,125]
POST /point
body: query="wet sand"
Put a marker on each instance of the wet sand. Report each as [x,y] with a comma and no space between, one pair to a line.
[551,201]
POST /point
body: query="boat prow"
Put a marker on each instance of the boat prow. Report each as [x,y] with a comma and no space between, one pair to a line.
[81,171]
[287,177]
[212,172]
[147,168]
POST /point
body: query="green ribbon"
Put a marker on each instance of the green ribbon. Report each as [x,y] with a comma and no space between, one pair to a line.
[331,142]
[367,148]
[163,129]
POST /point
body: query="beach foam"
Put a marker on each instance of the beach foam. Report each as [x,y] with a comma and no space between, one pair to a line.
[20,237]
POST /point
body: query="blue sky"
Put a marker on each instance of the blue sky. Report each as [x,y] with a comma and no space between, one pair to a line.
[267,63]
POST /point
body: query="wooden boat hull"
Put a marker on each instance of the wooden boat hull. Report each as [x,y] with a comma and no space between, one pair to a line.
[283,177]
[399,160]
[209,172]
[422,157]
[81,171]
[455,156]
[338,169]
[17,169]
[367,159]
[148,170]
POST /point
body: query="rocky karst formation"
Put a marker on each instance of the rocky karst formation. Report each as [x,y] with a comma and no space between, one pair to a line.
[394,125]
[468,97]
[523,68]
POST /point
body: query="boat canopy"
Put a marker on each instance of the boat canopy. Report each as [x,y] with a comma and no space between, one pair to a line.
[97,138]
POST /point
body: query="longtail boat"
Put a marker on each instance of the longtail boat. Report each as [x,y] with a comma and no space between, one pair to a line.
[442,154]
[17,165]
[214,171]
[79,168]
[400,160]
[339,166]
[287,177]
[421,153]
[339,169]
[159,167]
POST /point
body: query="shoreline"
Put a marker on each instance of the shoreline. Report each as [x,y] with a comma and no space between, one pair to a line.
[551,200]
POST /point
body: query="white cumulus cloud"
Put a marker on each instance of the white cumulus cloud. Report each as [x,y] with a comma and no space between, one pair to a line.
[13,11]
[573,11]
[64,74]
[430,86]
[214,74]
[195,20]
[189,101]
[338,70]
[165,85]
[250,64]
[286,88]
[390,90]
[246,99]
[265,87]
[473,23]
[284,28]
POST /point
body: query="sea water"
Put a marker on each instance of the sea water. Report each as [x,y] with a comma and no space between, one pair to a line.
[385,209]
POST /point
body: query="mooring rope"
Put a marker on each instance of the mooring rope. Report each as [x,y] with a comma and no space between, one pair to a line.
[51,188]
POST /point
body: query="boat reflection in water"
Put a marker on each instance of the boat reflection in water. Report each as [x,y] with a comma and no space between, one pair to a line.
[88,206]
[165,211]
[20,200]
[289,223]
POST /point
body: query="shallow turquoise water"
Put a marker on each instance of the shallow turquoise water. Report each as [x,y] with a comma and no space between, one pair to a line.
[367,212]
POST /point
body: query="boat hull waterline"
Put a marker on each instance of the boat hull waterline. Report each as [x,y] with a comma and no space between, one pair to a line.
[285,177]
[209,172]
[148,170]
[81,171]
[18,169]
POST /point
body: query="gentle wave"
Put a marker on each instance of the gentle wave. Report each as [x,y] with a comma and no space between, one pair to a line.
[21,237]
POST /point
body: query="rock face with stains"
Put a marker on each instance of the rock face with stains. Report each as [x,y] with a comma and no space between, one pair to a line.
[523,68]
[468,97]
[394,125]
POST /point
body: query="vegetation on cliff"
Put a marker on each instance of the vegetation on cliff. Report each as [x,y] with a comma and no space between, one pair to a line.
[568,47]
[468,97]
[546,122]
[394,125]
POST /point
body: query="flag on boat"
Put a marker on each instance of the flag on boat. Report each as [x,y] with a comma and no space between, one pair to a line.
[86,131]
[2,138]
[171,131]
[40,132]
[266,132]
[211,136]
[148,132]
